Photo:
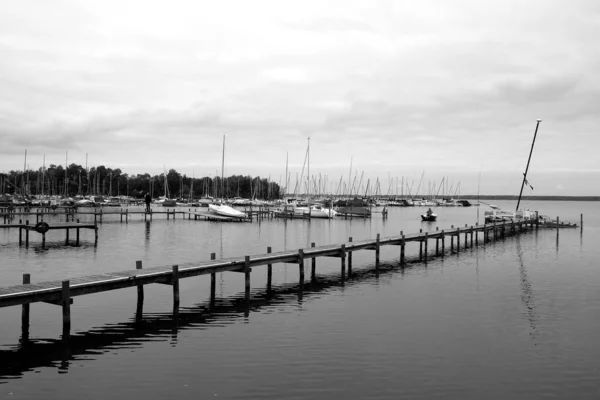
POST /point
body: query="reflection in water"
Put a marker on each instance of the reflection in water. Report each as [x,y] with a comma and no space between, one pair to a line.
[527,294]
[84,346]
[147,234]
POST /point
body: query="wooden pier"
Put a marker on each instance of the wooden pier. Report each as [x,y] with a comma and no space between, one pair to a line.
[61,292]
[43,227]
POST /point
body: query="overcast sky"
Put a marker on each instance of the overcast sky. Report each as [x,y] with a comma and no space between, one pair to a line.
[450,88]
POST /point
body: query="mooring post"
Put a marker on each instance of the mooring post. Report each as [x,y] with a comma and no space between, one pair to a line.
[95,234]
[313,267]
[377,248]
[343,262]
[402,245]
[425,250]
[213,282]
[247,270]
[140,296]
[66,309]
[350,259]
[25,314]
[269,271]
[301,267]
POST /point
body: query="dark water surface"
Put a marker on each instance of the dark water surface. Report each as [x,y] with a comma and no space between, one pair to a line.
[518,318]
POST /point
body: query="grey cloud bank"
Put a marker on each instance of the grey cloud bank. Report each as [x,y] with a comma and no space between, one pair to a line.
[449,88]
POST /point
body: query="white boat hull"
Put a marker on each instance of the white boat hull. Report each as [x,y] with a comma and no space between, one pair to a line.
[226,211]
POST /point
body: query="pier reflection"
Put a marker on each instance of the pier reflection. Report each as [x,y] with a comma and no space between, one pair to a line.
[32,354]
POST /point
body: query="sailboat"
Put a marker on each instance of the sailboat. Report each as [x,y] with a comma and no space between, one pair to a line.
[223,209]
[165,201]
[497,214]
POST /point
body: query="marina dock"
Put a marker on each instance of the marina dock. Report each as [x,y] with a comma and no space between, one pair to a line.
[62,292]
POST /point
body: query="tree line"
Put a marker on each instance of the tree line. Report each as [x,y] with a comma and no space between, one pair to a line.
[75,180]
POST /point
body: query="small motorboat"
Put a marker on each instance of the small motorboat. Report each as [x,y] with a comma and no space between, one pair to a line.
[429,216]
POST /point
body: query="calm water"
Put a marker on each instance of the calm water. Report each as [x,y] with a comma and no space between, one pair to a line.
[518,318]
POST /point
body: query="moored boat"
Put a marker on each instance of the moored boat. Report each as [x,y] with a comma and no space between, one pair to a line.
[226,211]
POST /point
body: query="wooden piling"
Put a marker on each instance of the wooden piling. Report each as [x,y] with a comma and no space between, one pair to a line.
[377,249]
[301,267]
[175,284]
[66,308]
[247,270]
[425,249]
[27,234]
[213,282]
[472,230]
[269,271]
[350,259]
[457,240]
[343,262]
[25,314]
[443,239]
[313,262]
[402,245]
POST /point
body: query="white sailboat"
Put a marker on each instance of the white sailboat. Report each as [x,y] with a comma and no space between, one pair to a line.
[222,209]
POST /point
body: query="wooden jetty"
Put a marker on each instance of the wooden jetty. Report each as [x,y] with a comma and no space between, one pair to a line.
[44,227]
[61,292]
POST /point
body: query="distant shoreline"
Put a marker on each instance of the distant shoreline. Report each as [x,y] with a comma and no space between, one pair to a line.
[514,197]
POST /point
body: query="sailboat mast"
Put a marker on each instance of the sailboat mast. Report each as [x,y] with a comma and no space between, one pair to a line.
[223,170]
[308,169]
[528,160]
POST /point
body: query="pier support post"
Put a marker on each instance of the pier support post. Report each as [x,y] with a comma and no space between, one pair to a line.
[139,309]
[437,246]
[95,234]
[25,314]
[402,246]
[270,272]
[343,262]
[451,243]
[66,236]
[247,270]
[20,234]
[443,242]
[175,284]
[425,250]
[313,266]
[77,235]
[350,259]
[457,240]
[66,309]
[27,234]
[420,250]
[377,249]
[301,267]
[466,237]
[213,282]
